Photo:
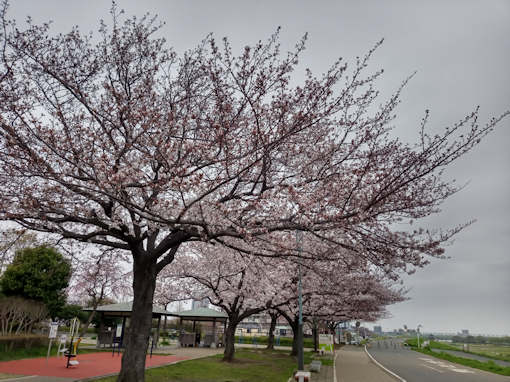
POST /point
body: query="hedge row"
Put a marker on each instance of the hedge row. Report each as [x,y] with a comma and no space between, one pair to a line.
[262,340]
[10,343]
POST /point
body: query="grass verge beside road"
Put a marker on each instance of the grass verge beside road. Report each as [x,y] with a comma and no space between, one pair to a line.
[486,366]
[249,366]
[498,352]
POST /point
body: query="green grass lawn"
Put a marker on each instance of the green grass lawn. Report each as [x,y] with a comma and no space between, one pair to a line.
[249,366]
[487,366]
[39,351]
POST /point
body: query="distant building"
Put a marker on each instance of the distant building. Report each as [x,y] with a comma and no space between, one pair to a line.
[378,330]
[195,304]
[464,332]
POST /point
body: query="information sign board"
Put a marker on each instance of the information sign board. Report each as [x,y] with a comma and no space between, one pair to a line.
[53,330]
[326,342]
[118,332]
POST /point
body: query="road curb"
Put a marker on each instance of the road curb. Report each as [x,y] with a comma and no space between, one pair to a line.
[384,368]
[334,365]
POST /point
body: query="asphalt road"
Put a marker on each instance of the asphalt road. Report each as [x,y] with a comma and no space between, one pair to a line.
[417,367]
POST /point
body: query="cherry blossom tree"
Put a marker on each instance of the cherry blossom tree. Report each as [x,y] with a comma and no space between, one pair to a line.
[170,289]
[114,140]
[12,240]
[333,293]
[99,275]
[244,285]
[239,284]
[273,315]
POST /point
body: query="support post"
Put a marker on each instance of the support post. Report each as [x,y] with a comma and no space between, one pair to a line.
[214,332]
[121,344]
[158,331]
[194,334]
[225,332]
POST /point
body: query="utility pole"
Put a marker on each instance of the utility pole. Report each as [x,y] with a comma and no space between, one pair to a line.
[301,363]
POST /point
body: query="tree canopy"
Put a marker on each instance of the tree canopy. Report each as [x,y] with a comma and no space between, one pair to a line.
[115,140]
[40,274]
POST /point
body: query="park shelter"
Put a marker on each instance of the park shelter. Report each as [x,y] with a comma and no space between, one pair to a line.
[200,315]
[123,310]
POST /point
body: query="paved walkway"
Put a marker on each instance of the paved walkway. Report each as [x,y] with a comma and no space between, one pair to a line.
[188,353]
[37,378]
[353,365]
[326,374]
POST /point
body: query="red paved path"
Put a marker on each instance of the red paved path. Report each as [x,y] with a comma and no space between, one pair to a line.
[91,365]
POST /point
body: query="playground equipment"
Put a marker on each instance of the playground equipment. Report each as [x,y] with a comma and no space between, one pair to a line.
[72,351]
[62,345]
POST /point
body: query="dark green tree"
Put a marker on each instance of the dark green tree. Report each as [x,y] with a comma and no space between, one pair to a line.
[41,274]
[69,311]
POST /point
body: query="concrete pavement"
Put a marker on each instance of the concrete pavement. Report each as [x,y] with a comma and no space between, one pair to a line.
[37,378]
[353,365]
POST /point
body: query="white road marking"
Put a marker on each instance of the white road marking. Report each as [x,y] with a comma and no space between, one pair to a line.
[447,366]
[433,368]
[382,367]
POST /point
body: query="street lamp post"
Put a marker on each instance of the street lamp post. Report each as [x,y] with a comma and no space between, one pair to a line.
[418,334]
[301,363]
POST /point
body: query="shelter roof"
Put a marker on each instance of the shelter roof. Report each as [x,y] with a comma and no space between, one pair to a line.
[203,314]
[126,307]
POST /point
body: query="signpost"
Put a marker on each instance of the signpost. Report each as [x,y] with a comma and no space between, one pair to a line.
[51,336]
[326,343]
[118,331]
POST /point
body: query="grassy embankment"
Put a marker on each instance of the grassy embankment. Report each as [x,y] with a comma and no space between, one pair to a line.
[249,366]
[486,366]
[500,352]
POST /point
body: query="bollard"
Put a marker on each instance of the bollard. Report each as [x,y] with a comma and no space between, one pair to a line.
[302,376]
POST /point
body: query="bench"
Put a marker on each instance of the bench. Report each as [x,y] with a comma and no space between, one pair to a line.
[315,366]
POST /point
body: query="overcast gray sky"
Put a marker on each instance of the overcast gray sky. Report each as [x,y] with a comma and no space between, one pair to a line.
[461,52]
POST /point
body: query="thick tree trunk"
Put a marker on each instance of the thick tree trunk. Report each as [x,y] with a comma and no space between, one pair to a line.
[272,327]
[294,324]
[315,337]
[228,354]
[137,338]
[87,324]
[295,337]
